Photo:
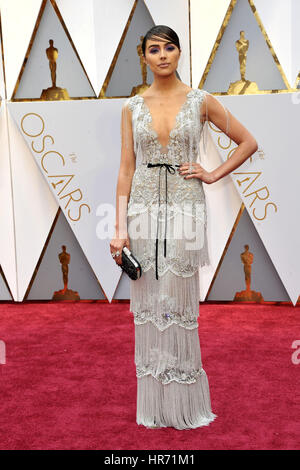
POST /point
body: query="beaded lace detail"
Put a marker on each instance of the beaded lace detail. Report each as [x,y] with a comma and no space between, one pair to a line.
[171,374]
[183,146]
[186,320]
[185,204]
[178,148]
[179,261]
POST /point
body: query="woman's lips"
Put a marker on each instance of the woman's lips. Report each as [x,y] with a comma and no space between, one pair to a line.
[164,65]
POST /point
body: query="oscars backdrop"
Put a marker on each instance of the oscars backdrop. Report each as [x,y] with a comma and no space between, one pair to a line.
[66,68]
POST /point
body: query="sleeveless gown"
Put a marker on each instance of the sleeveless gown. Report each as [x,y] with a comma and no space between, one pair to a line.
[166,220]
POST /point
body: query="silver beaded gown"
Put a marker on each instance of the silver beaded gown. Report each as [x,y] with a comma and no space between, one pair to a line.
[167,222]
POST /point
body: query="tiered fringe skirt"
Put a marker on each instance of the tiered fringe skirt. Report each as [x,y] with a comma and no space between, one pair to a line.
[172,386]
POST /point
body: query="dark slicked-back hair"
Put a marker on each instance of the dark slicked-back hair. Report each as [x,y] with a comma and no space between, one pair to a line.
[163,32]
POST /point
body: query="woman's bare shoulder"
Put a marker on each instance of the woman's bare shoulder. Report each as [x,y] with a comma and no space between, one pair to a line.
[131,101]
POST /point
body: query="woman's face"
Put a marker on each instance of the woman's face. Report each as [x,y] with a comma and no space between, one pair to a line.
[161,55]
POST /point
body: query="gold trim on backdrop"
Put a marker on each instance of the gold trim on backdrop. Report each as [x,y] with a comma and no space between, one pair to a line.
[36,27]
[297,82]
[28,100]
[218,41]
[115,58]
[264,92]
[237,220]
[3,63]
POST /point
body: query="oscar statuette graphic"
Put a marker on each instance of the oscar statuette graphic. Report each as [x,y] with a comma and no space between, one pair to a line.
[297,83]
[242,86]
[65,293]
[248,294]
[53,93]
[143,87]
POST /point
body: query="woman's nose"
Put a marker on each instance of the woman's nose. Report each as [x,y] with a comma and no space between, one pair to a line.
[162,53]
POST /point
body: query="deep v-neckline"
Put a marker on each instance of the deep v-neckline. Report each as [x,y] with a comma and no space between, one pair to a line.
[175,119]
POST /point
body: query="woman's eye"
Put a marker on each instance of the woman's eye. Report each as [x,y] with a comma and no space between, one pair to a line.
[170,48]
[152,51]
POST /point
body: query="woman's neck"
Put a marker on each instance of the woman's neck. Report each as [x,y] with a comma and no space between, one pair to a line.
[166,85]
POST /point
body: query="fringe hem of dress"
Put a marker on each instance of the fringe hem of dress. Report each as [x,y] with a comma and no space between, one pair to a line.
[177,405]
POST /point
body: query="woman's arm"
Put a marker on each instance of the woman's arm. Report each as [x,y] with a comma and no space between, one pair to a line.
[247,144]
[126,171]
[213,110]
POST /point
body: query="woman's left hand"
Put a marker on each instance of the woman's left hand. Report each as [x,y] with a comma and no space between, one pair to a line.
[197,172]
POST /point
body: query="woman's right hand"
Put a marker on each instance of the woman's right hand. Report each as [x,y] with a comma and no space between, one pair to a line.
[117,243]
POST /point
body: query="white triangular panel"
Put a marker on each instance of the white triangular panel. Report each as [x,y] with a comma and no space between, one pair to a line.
[206,20]
[277,21]
[34,208]
[269,186]
[18,20]
[223,205]
[95,32]
[7,235]
[69,72]
[87,138]
[175,14]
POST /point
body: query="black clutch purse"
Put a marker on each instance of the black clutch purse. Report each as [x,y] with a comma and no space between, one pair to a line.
[130,264]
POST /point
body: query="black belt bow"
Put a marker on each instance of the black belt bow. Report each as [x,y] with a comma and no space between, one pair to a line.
[169,168]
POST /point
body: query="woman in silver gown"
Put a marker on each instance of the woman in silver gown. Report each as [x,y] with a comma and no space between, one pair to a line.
[161,217]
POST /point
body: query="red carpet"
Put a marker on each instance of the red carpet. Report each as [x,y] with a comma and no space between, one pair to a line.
[69,379]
